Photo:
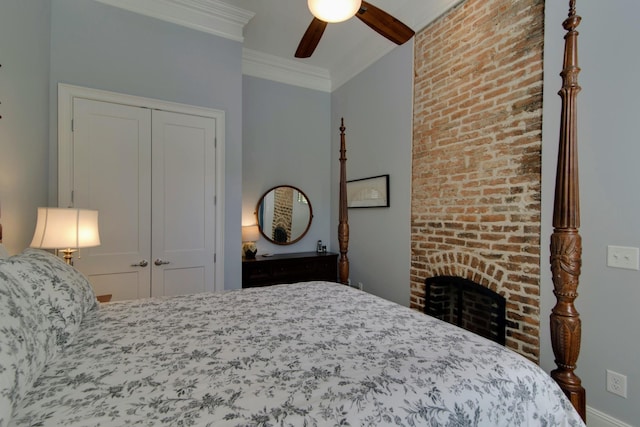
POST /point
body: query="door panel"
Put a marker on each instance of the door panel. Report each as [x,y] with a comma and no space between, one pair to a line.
[190,280]
[112,173]
[183,210]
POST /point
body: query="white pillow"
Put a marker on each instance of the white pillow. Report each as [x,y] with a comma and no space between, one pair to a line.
[3,252]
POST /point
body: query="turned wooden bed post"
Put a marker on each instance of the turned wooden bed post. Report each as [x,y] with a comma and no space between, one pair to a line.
[343,225]
[566,243]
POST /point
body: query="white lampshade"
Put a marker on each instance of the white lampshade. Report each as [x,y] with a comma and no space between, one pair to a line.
[333,10]
[59,228]
[250,233]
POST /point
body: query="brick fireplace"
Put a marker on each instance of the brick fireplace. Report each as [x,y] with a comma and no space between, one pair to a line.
[477,157]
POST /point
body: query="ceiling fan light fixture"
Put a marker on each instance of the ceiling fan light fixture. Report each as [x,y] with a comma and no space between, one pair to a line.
[334,10]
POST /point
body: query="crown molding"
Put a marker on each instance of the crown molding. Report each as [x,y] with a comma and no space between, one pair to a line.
[270,67]
[210,16]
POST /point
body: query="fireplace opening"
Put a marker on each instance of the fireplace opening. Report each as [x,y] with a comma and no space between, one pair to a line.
[468,305]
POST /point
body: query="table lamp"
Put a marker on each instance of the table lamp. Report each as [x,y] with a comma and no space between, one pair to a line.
[250,234]
[66,229]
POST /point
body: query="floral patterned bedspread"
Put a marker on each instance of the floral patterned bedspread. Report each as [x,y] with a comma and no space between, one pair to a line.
[309,354]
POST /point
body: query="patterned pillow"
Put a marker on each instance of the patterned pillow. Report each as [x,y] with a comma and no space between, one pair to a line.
[33,279]
[26,345]
[64,293]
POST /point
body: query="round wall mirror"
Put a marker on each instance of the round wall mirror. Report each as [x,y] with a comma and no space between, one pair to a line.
[284,215]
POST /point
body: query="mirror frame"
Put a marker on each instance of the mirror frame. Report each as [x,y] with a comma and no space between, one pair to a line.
[306,230]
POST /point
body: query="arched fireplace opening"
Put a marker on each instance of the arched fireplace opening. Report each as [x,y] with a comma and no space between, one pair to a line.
[468,305]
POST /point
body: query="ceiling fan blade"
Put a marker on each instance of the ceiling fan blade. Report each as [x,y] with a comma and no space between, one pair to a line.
[311,38]
[385,24]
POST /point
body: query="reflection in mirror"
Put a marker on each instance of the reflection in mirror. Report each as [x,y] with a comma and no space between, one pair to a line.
[284,215]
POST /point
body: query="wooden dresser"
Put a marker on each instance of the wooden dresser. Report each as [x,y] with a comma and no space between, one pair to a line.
[289,268]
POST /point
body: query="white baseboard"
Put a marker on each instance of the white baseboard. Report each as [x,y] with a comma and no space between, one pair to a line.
[596,418]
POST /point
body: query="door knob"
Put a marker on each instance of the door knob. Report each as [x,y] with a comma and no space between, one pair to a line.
[158,261]
[142,263]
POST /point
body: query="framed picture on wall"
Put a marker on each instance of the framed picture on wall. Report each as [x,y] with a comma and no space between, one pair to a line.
[368,192]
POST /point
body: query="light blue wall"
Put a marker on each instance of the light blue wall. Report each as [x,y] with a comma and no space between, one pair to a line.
[377,109]
[286,140]
[609,150]
[108,48]
[24,107]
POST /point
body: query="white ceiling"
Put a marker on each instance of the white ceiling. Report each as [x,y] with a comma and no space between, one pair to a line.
[271,30]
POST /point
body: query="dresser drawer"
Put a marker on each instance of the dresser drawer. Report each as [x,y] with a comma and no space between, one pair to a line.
[256,271]
[292,267]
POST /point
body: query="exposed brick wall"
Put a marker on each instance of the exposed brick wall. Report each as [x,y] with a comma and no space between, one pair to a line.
[477,156]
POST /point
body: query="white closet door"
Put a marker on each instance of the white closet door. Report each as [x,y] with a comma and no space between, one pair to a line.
[183,200]
[112,173]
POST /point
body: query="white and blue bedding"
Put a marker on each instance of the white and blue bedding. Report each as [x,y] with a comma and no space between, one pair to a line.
[307,354]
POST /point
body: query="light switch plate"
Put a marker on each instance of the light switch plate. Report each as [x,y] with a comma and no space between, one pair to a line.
[623,257]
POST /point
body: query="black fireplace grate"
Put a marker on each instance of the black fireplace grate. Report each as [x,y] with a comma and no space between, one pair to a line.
[468,305]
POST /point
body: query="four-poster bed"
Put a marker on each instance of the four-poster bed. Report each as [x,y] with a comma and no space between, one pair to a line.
[566,243]
[313,353]
[233,358]
[343,220]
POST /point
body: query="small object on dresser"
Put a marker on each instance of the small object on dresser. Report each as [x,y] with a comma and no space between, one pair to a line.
[319,246]
[104,298]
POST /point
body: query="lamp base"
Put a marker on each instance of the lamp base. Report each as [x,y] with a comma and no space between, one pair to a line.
[68,255]
[249,250]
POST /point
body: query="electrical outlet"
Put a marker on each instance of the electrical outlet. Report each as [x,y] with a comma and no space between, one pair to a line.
[617,383]
[623,257]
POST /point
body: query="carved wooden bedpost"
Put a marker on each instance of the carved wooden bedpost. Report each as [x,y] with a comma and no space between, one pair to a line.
[343,225]
[566,243]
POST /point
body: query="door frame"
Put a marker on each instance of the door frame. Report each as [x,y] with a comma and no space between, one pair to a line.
[66,94]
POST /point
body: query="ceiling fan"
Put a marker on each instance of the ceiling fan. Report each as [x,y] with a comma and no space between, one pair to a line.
[325,11]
